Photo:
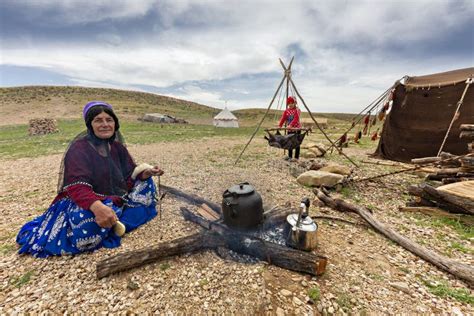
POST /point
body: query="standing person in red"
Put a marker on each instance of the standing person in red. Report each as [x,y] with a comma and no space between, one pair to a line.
[291,117]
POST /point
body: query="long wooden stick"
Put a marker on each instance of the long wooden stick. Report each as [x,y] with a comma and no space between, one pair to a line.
[460,270]
[468,83]
[263,118]
[191,198]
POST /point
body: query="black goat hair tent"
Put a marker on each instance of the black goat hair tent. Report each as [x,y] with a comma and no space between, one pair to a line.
[421,113]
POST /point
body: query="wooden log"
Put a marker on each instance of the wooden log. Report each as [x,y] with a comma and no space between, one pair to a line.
[467,127]
[456,179]
[245,243]
[205,211]
[467,134]
[425,160]
[466,205]
[191,198]
[460,270]
[132,259]
[431,195]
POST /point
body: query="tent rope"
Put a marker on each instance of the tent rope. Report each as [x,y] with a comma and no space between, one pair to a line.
[456,114]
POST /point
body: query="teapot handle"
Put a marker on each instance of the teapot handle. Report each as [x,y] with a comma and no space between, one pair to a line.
[230,203]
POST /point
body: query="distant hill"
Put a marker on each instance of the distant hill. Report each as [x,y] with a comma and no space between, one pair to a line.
[20,104]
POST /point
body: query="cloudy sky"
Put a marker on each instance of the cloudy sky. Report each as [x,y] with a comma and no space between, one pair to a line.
[347,52]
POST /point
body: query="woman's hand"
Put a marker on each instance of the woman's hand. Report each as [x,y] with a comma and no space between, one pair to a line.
[104,216]
[155,171]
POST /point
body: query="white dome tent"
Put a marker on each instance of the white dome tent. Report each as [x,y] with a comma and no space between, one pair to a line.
[226,119]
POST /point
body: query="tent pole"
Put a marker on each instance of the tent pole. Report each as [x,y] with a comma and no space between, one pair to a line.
[317,125]
[455,116]
[263,118]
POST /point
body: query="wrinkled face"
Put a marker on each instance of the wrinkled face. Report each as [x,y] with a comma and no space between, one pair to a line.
[103,126]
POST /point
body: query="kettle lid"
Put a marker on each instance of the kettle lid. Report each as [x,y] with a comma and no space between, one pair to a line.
[306,223]
[241,188]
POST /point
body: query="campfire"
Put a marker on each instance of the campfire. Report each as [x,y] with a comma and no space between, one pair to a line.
[266,242]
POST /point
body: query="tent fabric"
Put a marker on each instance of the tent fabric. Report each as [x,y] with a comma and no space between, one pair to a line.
[225,114]
[419,117]
[440,79]
[226,119]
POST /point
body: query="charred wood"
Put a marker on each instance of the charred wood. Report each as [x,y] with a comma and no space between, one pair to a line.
[133,259]
[245,243]
[191,198]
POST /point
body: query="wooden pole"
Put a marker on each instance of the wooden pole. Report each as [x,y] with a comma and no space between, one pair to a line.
[468,83]
[263,118]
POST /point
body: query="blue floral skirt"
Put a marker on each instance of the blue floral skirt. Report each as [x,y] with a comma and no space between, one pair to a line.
[65,228]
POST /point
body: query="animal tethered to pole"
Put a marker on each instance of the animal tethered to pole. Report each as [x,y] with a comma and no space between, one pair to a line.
[290,83]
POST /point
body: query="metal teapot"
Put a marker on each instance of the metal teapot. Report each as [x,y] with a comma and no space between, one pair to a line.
[242,206]
[303,232]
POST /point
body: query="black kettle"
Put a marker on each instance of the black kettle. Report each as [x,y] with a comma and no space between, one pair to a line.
[242,206]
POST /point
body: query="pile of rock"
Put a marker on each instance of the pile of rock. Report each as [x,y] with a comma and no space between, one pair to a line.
[317,173]
[42,126]
[312,150]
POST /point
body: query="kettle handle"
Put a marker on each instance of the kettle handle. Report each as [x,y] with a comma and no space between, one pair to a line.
[229,203]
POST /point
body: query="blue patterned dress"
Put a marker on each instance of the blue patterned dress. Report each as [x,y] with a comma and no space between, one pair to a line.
[65,228]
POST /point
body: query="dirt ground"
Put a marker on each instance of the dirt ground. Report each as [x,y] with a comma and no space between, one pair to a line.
[366,273]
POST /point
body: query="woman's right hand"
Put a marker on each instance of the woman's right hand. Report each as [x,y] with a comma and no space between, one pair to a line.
[104,216]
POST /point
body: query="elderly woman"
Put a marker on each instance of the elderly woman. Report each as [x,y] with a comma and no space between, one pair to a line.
[100,188]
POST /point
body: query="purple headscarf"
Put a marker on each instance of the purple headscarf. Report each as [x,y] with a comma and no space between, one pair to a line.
[91,104]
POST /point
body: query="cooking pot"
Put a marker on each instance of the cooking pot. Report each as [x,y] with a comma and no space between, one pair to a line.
[242,206]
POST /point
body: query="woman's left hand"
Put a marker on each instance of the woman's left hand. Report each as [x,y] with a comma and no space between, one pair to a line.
[155,171]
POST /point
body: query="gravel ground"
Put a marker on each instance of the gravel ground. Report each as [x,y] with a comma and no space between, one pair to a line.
[366,272]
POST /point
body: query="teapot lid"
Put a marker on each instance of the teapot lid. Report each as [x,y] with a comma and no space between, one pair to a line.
[241,188]
[306,222]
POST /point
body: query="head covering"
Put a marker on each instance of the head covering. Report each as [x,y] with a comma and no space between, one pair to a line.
[290,100]
[91,104]
[114,182]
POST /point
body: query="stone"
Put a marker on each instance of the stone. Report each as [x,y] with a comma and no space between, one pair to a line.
[286,293]
[401,286]
[280,312]
[336,168]
[318,178]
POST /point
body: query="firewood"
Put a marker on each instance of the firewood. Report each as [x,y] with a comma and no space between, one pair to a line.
[191,198]
[425,160]
[136,258]
[467,134]
[467,127]
[281,256]
[460,270]
[208,213]
[427,192]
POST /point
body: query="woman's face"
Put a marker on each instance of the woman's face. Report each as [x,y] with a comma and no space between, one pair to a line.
[103,126]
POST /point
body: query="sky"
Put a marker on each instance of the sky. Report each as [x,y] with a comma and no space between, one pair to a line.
[226,52]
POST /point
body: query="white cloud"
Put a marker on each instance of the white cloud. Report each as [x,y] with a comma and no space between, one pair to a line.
[341,46]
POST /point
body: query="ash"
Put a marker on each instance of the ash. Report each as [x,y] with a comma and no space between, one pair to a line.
[275,235]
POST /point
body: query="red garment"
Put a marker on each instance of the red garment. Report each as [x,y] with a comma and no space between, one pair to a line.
[292,118]
[88,176]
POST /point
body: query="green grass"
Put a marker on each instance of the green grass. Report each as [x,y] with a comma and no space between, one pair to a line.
[344,301]
[314,293]
[442,289]
[21,280]
[7,249]
[165,266]
[16,143]
[461,248]
[465,232]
